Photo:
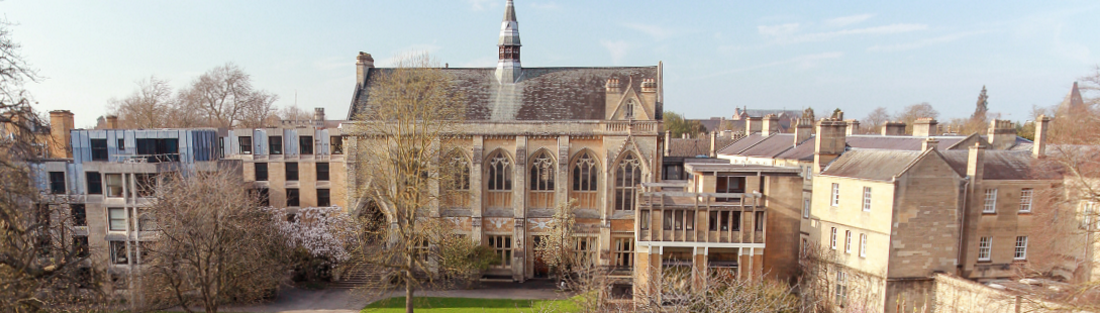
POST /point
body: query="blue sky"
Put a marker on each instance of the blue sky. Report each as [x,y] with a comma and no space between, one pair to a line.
[717,54]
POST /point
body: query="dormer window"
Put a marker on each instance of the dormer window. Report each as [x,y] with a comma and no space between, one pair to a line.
[629,110]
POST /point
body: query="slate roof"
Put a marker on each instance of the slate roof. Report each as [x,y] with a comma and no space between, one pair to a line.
[541,93]
[899,142]
[872,164]
[999,165]
[741,144]
[680,147]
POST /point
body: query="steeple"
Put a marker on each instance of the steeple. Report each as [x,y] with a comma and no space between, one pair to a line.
[1073,101]
[508,66]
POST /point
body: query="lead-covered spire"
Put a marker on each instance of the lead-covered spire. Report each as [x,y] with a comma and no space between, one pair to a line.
[508,65]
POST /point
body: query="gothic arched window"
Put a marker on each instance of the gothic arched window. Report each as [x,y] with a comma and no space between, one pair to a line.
[628,174]
[457,179]
[585,180]
[542,180]
[498,173]
[628,111]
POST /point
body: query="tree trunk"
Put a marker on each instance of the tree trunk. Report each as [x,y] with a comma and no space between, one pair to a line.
[408,285]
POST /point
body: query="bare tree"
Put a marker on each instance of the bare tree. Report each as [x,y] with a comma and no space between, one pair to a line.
[410,115]
[152,105]
[214,244]
[225,97]
[702,290]
[294,113]
[876,119]
[913,112]
[42,269]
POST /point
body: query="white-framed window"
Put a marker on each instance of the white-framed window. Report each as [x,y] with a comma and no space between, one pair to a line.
[990,201]
[984,245]
[836,195]
[1021,248]
[832,239]
[847,241]
[863,245]
[624,252]
[841,288]
[1025,200]
[867,199]
[806,208]
[116,219]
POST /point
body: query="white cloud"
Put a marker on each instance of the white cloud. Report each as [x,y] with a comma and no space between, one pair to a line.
[777,30]
[657,32]
[922,43]
[617,49]
[479,5]
[847,20]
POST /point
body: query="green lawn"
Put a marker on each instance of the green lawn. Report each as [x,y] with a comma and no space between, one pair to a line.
[468,305]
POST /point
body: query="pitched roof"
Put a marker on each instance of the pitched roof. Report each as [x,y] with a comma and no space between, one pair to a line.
[871,164]
[999,165]
[681,147]
[899,142]
[739,145]
[770,146]
[546,93]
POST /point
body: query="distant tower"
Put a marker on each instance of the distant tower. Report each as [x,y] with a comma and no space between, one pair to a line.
[508,67]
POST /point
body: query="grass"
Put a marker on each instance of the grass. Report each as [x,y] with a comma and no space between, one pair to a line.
[468,305]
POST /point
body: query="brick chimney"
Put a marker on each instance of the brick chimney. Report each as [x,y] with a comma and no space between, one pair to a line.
[112,121]
[853,127]
[1002,134]
[893,129]
[1039,147]
[61,123]
[363,63]
[925,126]
[753,125]
[829,143]
[803,129]
[769,125]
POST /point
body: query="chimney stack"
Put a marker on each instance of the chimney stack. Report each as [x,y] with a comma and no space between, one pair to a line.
[753,125]
[929,143]
[803,129]
[1039,145]
[925,126]
[112,121]
[853,127]
[893,129]
[975,163]
[713,144]
[770,125]
[668,142]
[318,114]
[61,122]
[363,63]
[1002,134]
[829,143]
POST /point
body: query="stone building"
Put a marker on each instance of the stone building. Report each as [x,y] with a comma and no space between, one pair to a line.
[593,128]
[296,164]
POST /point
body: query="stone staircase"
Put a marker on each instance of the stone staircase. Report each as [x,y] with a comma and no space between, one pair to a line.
[354,279]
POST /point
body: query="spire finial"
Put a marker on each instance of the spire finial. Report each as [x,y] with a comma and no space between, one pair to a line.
[508,66]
